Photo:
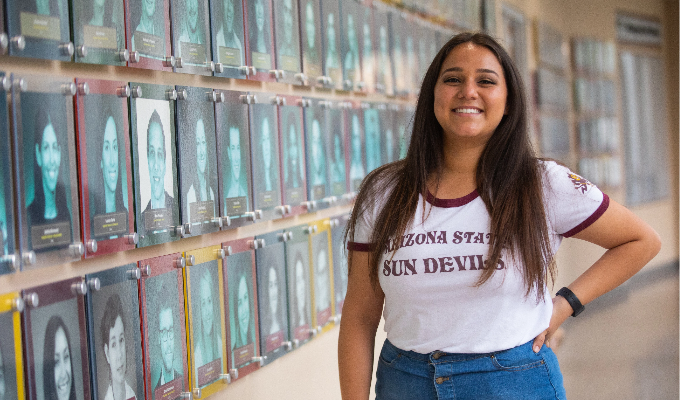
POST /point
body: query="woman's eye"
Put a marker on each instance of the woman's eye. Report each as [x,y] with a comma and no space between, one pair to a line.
[451,80]
[487,82]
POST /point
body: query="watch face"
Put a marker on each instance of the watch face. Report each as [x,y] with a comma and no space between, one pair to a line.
[99,27]
[228,37]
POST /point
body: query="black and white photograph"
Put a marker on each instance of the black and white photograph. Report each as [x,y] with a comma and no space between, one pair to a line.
[332,40]
[292,153]
[242,309]
[287,39]
[372,142]
[272,295]
[383,59]
[45,25]
[233,138]
[260,35]
[265,156]
[315,124]
[115,337]
[351,62]
[339,254]
[228,38]
[191,36]
[148,31]
[8,365]
[400,70]
[99,26]
[334,140]
[310,30]
[368,54]
[297,270]
[357,156]
[197,160]
[322,277]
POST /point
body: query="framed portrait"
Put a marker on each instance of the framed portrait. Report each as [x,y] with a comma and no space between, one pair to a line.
[233,160]
[410,56]
[300,324]
[154,162]
[260,33]
[310,31]
[368,54]
[163,327]
[105,164]
[321,272]
[272,295]
[389,143]
[204,291]
[243,334]
[287,31]
[383,60]
[10,260]
[197,160]
[339,253]
[356,148]
[228,38]
[114,335]
[555,138]
[55,340]
[264,147]
[147,28]
[334,149]
[552,48]
[514,35]
[331,27]
[404,120]
[99,32]
[292,139]
[373,142]
[48,196]
[11,357]
[351,51]
[489,16]
[4,39]
[400,70]
[317,171]
[191,37]
[39,29]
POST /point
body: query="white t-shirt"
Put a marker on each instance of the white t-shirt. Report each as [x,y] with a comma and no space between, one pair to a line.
[431,302]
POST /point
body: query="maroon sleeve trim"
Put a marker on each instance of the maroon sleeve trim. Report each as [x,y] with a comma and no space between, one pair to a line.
[354,246]
[594,217]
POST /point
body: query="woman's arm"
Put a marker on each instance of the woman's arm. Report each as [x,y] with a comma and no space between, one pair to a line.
[361,314]
[630,244]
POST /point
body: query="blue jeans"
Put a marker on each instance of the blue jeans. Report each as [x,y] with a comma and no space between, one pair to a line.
[513,374]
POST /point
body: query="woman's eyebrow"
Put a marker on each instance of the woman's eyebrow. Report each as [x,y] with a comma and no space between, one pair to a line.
[459,69]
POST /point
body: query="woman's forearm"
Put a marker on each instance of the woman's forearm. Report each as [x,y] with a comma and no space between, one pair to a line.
[356,347]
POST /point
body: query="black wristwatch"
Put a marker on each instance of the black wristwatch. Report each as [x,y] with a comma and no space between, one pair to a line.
[573,301]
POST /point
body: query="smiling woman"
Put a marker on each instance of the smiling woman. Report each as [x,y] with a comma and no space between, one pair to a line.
[57,366]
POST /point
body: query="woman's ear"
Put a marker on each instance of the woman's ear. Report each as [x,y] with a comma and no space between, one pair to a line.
[37,155]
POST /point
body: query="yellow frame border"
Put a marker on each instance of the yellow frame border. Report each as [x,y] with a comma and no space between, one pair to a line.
[323,225]
[6,301]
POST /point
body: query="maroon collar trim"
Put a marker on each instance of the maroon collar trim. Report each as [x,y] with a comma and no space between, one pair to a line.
[448,203]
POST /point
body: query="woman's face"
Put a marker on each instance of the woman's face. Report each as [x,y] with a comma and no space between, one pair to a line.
[356,136]
[266,144]
[309,25]
[115,351]
[48,155]
[149,7]
[235,152]
[259,15]
[229,15]
[317,151]
[273,292]
[207,311]
[109,162]
[192,13]
[62,365]
[470,94]
[201,147]
[243,306]
[300,285]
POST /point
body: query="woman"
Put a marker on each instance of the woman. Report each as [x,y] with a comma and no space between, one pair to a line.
[244,324]
[273,297]
[463,275]
[209,343]
[201,189]
[112,331]
[57,367]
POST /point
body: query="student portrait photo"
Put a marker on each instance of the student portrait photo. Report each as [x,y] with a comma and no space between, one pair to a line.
[287,35]
[271,292]
[8,379]
[293,158]
[259,26]
[92,15]
[311,41]
[368,56]
[106,159]
[322,287]
[149,19]
[266,150]
[235,157]
[332,55]
[205,311]
[372,132]
[335,150]
[350,64]
[230,33]
[317,161]
[357,172]
[241,302]
[56,345]
[191,32]
[298,269]
[113,340]
[385,69]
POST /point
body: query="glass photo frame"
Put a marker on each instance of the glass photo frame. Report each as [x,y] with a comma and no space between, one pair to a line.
[148,32]
[264,146]
[191,37]
[300,326]
[334,148]
[228,38]
[389,149]
[233,161]
[114,336]
[317,170]
[368,54]
[321,272]
[48,195]
[197,160]
[373,134]
[357,146]
[339,254]
[243,334]
[310,31]
[272,295]
[105,164]
[383,60]
[331,25]
[26,22]
[400,70]
[99,32]
[204,291]
[351,45]
[55,340]
[292,139]
[286,24]
[164,327]
[552,48]
[154,161]
[260,33]
[11,357]
[10,260]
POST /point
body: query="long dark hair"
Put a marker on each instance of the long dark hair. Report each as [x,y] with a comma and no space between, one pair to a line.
[50,390]
[508,177]
[43,119]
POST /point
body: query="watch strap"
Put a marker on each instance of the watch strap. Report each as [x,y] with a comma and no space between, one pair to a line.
[573,301]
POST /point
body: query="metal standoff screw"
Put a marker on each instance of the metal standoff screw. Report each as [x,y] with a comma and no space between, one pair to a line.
[315,229]
[262,243]
[210,65]
[20,84]
[68,89]
[19,42]
[228,250]
[221,254]
[187,229]
[274,73]
[77,249]
[17,304]
[136,91]
[182,94]
[217,222]
[321,80]
[253,99]
[197,393]
[82,51]
[12,261]
[180,262]
[348,84]
[274,100]
[134,57]
[124,55]
[79,288]
[288,208]
[253,244]
[314,331]
[244,70]
[300,77]
[280,209]
[308,205]
[337,318]
[226,378]
[134,274]
[287,345]
[169,61]
[309,230]
[258,214]
[6,83]
[260,360]
[178,62]
[132,238]
[28,257]
[92,246]
[219,68]
[290,235]
[94,284]
[146,270]
[296,343]
[253,70]
[171,94]
[123,91]
[67,49]
[226,221]
[234,373]
[250,216]
[282,237]
[177,230]
[190,259]
[185,395]
[31,299]
[212,96]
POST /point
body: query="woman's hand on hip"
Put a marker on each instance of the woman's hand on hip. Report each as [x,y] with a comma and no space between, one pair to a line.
[561,311]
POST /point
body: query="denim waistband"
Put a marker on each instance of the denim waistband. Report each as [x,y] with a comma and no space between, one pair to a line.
[442,356]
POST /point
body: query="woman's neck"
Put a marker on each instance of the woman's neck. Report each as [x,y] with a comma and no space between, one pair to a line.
[50,203]
[110,200]
[118,390]
[98,16]
[147,24]
[459,170]
[202,189]
[208,347]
